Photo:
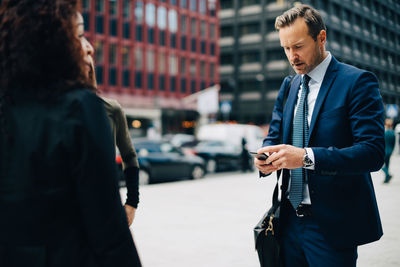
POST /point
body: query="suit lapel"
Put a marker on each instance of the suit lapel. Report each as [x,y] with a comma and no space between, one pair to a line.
[288,110]
[330,76]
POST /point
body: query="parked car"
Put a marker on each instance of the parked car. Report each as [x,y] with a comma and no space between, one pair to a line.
[160,161]
[219,155]
[232,133]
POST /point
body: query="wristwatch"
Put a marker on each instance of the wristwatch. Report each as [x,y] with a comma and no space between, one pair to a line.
[307,162]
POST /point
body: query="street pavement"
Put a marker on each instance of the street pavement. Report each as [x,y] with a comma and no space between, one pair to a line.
[209,222]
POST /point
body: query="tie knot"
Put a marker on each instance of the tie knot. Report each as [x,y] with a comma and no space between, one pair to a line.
[306,79]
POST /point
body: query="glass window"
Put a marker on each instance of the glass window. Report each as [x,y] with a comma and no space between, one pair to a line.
[150,60]
[212,31]
[126,78]
[162,18]
[173,2]
[183,66]
[249,57]
[86,4]
[150,81]
[183,42]
[173,65]
[202,69]
[99,52]
[193,5]
[113,27]
[161,82]
[150,15]
[193,68]
[249,28]
[212,6]
[112,56]
[183,24]
[202,6]
[126,59]
[183,85]
[226,59]
[172,80]
[138,79]
[226,4]
[112,76]
[203,29]
[113,7]
[126,9]
[172,20]
[99,74]
[126,30]
[139,12]
[184,3]
[193,26]
[99,24]
[99,5]
[139,33]
[212,70]
[161,62]
[226,31]
[138,58]
[244,3]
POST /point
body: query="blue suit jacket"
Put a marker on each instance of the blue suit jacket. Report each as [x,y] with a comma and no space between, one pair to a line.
[347,138]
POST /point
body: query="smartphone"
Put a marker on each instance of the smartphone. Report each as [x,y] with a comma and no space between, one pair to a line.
[260,156]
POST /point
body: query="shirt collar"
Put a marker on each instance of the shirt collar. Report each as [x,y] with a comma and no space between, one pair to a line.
[318,73]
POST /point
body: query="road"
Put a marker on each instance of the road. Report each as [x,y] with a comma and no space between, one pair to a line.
[209,222]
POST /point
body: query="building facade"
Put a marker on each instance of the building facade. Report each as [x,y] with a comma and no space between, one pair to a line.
[364,33]
[151,54]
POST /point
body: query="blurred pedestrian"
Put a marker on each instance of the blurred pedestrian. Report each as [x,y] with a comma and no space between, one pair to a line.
[327,135]
[390,141]
[59,197]
[120,132]
[245,157]
[397,131]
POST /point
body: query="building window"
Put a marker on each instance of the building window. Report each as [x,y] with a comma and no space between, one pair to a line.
[126,81]
[99,24]
[172,84]
[226,59]
[138,58]
[212,49]
[99,5]
[138,79]
[150,81]
[113,76]
[203,29]
[150,62]
[182,66]
[249,57]
[212,71]
[226,4]
[244,3]
[183,85]
[202,69]
[249,29]
[184,3]
[126,9]
[113,54]
[212,31]
[161,81]
[193,68]
[86,4]
[126,30]
[99,52]
[113,7]
[161,62]
[113,27]
[193,5]
[202,6]
[193,86]
[211,7]
[162,24]
[226,31]
[173,65]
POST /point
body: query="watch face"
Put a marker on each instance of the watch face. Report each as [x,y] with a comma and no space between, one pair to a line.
[307,161]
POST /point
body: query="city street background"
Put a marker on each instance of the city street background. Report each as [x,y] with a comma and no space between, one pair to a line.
[209,222]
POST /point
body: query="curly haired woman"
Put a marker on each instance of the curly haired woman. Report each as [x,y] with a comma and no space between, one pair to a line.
[59,198]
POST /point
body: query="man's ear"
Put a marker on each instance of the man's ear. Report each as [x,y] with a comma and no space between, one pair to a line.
[322,37]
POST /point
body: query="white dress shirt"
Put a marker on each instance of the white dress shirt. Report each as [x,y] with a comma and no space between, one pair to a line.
[316,77]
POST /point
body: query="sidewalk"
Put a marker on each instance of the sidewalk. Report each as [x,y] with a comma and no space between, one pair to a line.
[208,222]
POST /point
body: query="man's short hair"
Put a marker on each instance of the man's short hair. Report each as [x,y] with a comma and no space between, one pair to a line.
[310,15]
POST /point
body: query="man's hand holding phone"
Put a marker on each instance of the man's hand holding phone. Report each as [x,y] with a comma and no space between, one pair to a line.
[260,161]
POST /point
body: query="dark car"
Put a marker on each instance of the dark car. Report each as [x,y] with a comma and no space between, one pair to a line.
[160,161]
[219,155]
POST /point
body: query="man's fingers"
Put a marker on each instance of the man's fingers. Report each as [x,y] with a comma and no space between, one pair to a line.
[270,149]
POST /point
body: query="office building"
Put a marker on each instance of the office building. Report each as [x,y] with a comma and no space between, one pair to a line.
[364,33]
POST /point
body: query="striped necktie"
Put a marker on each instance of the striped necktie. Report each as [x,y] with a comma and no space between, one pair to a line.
[299,139]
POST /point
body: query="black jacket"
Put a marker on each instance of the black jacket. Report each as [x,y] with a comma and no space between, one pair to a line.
[59,198]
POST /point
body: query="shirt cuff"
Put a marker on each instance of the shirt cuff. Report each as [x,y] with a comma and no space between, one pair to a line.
[310,154]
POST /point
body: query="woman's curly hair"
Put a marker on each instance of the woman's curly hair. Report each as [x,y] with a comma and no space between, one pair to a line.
[40,54]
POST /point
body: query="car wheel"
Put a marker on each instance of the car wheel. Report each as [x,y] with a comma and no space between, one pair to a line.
[211,166]
[144,177]
[197,172]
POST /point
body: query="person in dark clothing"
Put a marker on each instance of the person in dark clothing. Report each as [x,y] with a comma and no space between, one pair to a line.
[390,140]
[245,157]
[59,197]
[120,133]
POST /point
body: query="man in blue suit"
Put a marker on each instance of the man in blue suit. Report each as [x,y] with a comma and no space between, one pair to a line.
[326,136]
